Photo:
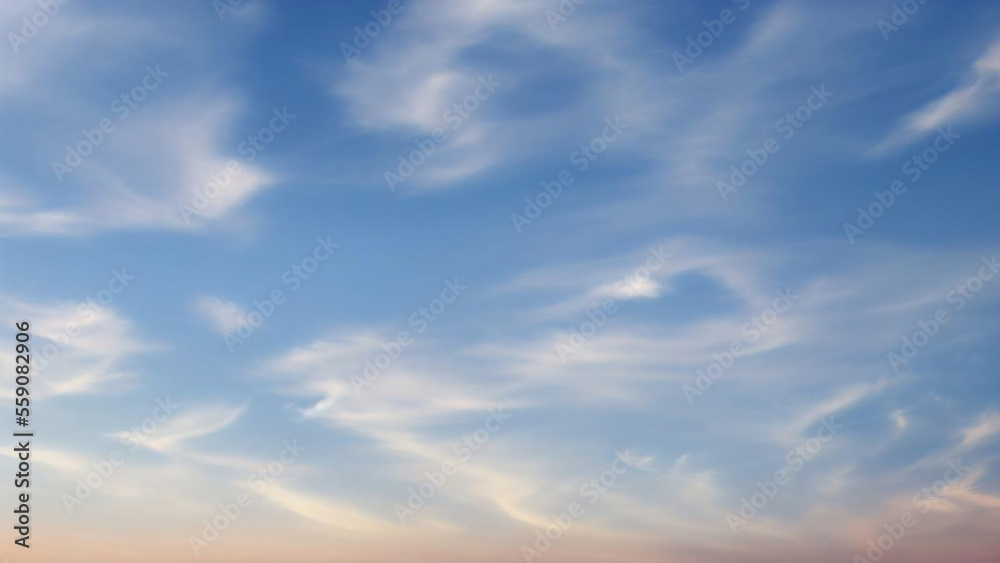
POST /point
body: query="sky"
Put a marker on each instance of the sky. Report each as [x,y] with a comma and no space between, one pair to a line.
[481,280]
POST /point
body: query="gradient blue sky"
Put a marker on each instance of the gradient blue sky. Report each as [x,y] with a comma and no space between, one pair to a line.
[497,344]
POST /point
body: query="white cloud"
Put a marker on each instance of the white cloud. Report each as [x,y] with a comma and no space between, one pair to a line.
[899,419]
[813,413]
[977,97]
[171,436]
[418,69]
[223,316]
[330,512]
[72,352]
[140,172]
[985,428]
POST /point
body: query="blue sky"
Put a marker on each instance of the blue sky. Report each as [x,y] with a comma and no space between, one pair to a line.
[586,321]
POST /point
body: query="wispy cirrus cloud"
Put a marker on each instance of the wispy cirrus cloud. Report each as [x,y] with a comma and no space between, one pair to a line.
[977,97]
[72,348]
[154,151]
